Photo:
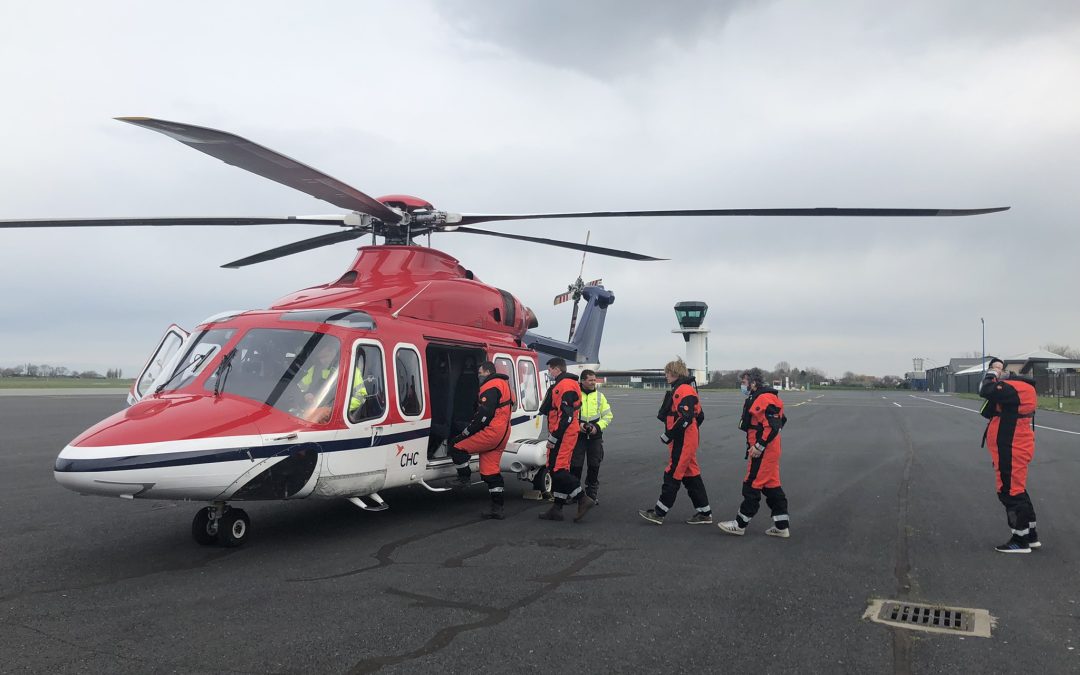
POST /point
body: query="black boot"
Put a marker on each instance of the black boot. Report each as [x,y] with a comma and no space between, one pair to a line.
[496,512]
[464,478]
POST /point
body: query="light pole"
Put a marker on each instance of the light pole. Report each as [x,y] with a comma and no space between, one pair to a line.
[983,322]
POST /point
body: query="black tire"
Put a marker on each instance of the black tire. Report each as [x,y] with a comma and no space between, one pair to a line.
[201,530]
[233,528]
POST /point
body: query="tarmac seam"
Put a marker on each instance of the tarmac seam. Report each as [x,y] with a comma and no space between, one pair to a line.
[902,642]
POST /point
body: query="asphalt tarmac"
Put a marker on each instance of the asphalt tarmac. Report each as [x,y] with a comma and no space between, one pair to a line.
[891,497]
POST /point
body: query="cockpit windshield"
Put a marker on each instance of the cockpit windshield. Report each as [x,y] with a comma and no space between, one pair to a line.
[295,371]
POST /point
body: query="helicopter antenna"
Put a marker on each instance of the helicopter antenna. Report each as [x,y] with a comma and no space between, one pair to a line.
[574,290]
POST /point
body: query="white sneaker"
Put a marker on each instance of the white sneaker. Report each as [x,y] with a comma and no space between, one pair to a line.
[777,532]
[731,527]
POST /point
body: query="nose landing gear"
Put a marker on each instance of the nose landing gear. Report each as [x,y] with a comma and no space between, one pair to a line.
[222,524]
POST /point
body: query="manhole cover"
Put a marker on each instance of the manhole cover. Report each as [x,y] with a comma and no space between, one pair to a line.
[932,618]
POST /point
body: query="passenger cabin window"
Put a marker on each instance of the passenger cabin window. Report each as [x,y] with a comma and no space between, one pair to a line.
[368,398]
[202,351]
[505,366]
[410,388]
[530,390]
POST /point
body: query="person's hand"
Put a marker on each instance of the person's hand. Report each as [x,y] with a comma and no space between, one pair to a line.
[321,415]
[550,445]
[756,451]
[309,398]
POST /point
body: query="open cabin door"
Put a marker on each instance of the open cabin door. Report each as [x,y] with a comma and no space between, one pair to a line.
[167,349]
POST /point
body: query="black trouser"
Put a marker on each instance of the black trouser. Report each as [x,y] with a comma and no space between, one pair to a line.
[1019,511]
[695,487]
[495,485]
[461,461]
[588,451]
[774,497]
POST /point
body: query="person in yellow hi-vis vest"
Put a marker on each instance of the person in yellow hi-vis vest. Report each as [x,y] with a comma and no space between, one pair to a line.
[596,415]
[319,384]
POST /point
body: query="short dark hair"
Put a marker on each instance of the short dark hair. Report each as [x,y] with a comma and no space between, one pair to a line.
[587,373]
[993,360]
[488,366]
[556,362]
[754,375]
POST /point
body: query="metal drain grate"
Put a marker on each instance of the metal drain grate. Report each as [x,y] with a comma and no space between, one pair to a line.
[932,618]
[922,615]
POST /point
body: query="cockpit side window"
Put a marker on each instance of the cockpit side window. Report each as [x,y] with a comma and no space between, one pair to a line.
[368,385]
[202,351]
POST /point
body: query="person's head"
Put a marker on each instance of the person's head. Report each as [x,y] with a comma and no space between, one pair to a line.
[995,364]
[751,380]
[588,380]
[556,367]
[487,369]
[675,370]
[327,352]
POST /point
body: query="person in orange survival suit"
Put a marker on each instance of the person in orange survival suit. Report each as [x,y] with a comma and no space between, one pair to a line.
[486,435]
[562,405]
[1010,435]
[682,417]
[762,419]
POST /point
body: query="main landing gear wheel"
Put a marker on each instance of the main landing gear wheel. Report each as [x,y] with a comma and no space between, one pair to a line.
[233,528]
[548,483]
[204,528]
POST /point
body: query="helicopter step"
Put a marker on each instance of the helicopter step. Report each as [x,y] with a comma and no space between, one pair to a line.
[222,524]
[379,504]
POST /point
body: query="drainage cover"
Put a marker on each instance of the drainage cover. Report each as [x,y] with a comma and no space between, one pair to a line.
[932,618]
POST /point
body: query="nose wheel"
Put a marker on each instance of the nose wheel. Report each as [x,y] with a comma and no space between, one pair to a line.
[220,524]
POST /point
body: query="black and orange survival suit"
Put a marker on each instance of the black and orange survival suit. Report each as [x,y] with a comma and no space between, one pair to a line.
[562,405]
[1010,436]
[682,417]
[762,419]
[486,435]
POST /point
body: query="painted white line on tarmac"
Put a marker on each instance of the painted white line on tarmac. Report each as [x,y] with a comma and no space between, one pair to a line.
[1037,426]
[897,404]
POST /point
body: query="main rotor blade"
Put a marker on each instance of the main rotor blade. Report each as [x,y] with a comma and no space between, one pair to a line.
[298,247]
[599,250]
[133,222]
[824,211]
[267,163]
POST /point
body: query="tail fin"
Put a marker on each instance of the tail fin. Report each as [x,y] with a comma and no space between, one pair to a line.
[585,345]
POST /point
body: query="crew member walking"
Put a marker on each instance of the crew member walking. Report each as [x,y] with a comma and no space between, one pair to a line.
[682,417]
[762,419]
[562,405]
[486,435]
[596,415]
[1010,435]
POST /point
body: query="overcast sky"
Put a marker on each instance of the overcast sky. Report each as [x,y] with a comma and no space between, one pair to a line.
[502,106]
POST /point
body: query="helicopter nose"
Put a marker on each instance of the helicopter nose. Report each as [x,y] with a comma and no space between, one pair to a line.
[87,481]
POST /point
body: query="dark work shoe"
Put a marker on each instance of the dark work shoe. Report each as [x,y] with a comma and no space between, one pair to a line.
[584,504]
[553,513]
[496,513]
[700,519]
[1014,545]
[1033,539]
[652,516]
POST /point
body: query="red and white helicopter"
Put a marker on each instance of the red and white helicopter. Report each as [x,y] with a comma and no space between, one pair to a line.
[343,390]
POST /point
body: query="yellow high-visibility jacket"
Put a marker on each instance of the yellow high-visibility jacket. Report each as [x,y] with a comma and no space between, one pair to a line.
[359,391]
[595,409]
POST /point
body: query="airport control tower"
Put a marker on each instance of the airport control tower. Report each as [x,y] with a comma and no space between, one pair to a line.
[691,314]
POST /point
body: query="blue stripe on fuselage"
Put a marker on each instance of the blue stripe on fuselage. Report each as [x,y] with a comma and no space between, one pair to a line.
[131,462]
